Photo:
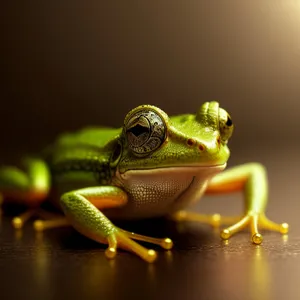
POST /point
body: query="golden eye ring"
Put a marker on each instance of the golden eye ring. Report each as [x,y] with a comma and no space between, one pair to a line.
[145,131]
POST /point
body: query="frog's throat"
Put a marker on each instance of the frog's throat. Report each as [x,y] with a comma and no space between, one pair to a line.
[160,191]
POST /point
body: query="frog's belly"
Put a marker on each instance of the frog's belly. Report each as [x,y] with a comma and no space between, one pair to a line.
[154,193]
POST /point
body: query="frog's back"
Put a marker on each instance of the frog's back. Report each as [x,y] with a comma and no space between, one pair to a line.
[97,137]
[82,158]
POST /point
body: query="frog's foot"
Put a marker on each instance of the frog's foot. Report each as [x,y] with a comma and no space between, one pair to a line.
[124,239]
[49,220]
[19,221]
[255,221]
[215,220]
[41,225]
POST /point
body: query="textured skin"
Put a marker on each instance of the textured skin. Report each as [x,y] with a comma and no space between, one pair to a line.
[162,191]
[90,157]
[84,216]
[153,166]
[88,151]
[88,154]
[191,139]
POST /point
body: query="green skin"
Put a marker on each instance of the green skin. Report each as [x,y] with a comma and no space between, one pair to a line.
[154,166]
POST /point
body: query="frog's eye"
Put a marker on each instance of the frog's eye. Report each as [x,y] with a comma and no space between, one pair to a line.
[145,131]
[225,125]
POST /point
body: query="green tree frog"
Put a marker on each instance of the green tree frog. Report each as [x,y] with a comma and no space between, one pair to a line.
[155,165]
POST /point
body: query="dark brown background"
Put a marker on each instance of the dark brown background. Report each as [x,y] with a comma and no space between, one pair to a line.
[70,64]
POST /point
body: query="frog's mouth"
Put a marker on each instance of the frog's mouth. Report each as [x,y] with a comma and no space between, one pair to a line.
[169,177]
[164,171]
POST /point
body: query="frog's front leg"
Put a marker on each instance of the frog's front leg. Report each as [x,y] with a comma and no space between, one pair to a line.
[252,179]
[82,209]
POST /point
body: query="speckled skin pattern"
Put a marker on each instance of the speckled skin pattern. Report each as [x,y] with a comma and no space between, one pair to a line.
[154,186]
[154,165]
[92,223]
[163,192]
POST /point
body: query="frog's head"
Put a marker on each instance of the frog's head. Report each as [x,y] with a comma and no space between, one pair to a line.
[151,140]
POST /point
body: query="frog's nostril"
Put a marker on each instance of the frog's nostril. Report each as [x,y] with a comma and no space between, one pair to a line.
[191,142]
[201,147]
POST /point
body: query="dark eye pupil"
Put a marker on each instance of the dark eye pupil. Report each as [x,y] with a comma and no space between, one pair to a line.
[138,130]
[229,121]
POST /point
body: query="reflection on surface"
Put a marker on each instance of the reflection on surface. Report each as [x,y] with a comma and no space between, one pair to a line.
[252,262]
[61,264]
[260,281]
[41,264]
[168,255]
[18,234]
[285,238]
[55,261]
[151,274]
[98,274]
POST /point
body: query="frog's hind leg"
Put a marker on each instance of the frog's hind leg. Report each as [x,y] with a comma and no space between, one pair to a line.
[29,187]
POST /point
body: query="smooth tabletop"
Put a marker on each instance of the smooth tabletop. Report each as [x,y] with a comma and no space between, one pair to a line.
[62,264]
